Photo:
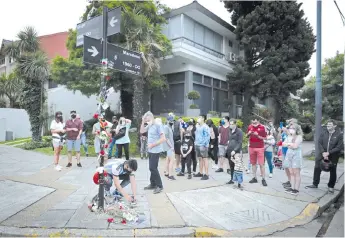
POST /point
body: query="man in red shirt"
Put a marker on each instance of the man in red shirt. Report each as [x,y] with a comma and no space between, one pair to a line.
[257,134]
[74,128]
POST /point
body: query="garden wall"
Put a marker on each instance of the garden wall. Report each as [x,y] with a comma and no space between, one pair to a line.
[15,120]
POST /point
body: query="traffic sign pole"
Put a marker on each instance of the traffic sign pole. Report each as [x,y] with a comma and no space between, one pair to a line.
[103,80]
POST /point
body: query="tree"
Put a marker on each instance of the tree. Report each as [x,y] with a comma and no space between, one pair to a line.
[278,42]
[141,32]
[332,75]
[33,68]
[11,86]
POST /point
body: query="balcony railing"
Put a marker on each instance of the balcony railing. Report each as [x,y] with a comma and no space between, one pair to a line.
[199,46]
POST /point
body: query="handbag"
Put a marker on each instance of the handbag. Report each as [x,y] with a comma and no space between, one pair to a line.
[122,133]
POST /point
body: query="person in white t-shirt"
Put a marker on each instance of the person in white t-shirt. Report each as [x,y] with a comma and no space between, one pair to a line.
[58,132]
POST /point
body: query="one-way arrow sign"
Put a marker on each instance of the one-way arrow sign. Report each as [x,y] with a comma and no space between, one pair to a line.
[92,50]
[118,58]
[93,27]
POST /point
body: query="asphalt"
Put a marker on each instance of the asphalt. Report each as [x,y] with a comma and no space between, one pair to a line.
[37,200]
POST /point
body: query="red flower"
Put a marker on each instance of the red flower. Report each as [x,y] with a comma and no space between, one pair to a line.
[102,152]
[98,132]
[110,220]
[95,116]
[121,207]
[107,77]
[105,146]
[89,206]
[110,140]
[105,124]
[124,221]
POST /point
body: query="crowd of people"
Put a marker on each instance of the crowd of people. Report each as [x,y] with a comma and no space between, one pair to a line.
[187,144]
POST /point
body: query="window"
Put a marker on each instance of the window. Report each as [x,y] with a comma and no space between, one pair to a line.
[11,60]
[218,42]
[209,40]
[198,33]
[188,25]
[216,83]
[224,85]
[230,43]
[176,78]
[175,27]
[2,61]
[207,80]
[197,78]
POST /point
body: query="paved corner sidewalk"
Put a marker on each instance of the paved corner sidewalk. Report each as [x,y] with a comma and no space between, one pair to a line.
[40,200]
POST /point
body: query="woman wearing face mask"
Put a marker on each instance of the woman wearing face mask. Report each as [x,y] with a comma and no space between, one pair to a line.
[56,128]
[191,128]
[168,146]
[123,142]
[293,159]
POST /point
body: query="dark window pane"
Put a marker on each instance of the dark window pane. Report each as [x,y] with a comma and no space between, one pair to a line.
[230,43]
[197,78]
[216,83]
[224,85]
[207,80]
[176,77]
[205,100]
[220,98]
[171,101]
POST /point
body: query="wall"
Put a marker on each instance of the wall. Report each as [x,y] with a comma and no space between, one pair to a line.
[16,120]
[64,100]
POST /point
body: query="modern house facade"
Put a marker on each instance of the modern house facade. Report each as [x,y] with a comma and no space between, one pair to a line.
[204,49]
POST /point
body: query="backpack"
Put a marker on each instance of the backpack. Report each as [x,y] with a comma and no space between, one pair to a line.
[176,131]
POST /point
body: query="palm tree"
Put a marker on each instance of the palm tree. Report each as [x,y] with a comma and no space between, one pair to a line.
[146,38]
[33,68]
[11,86]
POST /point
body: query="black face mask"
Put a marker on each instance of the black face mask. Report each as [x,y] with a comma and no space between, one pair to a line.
[187,137]
[171,123]
[59,117]
[73,116]
[145,124]
[190,123]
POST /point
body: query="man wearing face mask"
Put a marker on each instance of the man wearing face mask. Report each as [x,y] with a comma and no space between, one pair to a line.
[213,149]
[257,134]
[234,148]
[224,132]
[202,142]
[155,140]
[74,128]
[330,145]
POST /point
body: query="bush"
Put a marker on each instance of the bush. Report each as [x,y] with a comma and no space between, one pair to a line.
[193,106]
[34,145]
[213,113]
[245,144]
[193,95]
[309,137]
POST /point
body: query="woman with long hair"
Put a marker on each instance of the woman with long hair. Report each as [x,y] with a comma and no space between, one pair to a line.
[293,159]
[58,131]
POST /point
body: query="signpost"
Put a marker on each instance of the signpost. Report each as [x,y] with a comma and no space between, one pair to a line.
[93,35]
[92,27]
[120,59]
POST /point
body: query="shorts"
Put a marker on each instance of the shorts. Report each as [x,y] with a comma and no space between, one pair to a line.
[170,153]
[73,144]
[177,147]
[57,143]
[222,150]
[238,177]
[257,156]
[201,151]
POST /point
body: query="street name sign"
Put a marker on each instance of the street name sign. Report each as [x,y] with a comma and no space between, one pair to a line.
[93,27]
[120,59]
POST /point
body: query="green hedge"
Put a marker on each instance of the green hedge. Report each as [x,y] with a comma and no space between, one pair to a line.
[215,120]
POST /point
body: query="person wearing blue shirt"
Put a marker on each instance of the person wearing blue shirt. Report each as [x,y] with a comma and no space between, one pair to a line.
[155,140]
[202,141]
[123,142]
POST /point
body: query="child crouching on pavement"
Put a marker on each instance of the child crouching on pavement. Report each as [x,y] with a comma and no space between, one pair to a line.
[239,168]
[186,149]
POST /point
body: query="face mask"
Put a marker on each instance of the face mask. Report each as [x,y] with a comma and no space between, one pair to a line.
[187,137]
[232,127]
[149,123]
[73,116]
[171,123]
[190,123]
[222,122]
[292,131]
[59,117]
[199,121]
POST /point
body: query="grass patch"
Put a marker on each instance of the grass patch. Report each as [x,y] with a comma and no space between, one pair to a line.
[16,141]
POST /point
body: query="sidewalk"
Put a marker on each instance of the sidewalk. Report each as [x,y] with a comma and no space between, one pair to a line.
[36,199]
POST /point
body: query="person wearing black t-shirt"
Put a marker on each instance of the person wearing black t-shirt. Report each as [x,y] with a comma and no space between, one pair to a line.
[112,144]
[186,149]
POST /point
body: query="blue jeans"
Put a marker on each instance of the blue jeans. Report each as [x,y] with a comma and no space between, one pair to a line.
[83,142]
[111,149]
[268,156]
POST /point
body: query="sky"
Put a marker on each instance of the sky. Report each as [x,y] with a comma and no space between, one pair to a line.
[51,16]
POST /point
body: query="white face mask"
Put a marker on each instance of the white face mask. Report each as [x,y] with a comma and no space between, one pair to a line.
[199,120]
[149,123]
[232,127]
[292,131]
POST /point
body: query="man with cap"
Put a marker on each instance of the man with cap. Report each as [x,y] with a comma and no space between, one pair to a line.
[113,130]
[74,128]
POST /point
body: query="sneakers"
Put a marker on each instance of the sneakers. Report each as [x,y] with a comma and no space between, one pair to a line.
[219,170]
[166,175]
[180,174]
[150,187]
[254,180]
[270,175]
[288,190]
[157,190]
[230,182]
[69,165]
[171,178]
[87,155]
[331,190]
[294,192]
[204,177]
[58,167]
[198,175]
[311,186]
[264,182]
[189,176]
[287,184]
[79,165]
